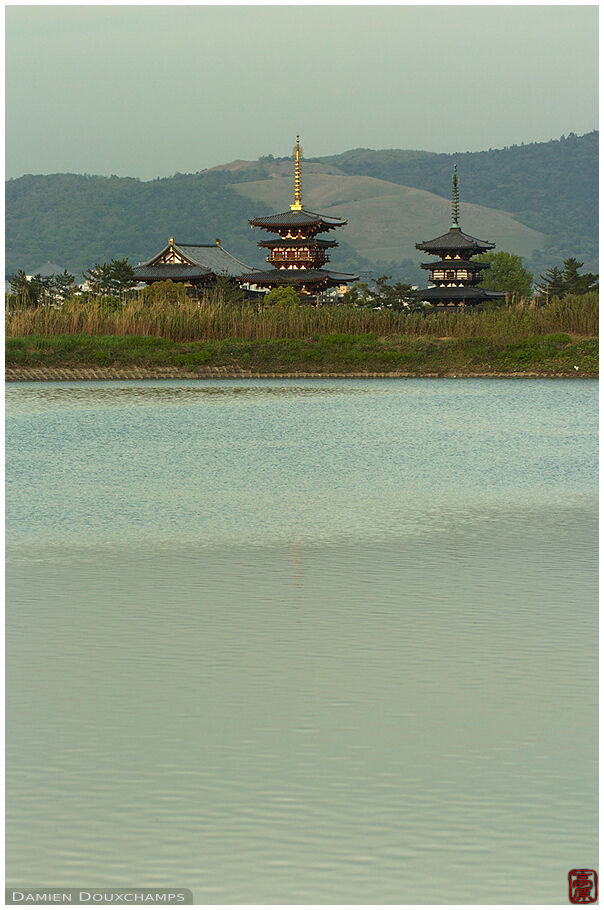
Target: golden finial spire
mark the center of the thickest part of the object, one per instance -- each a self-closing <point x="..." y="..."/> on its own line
<point x="297" y="206"/>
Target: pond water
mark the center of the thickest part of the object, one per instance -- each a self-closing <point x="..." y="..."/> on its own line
<point x="303" y="641"/>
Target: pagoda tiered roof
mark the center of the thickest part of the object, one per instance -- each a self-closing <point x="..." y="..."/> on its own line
<point x="301" y="241"/>
<point x="457" y="294"/>
<point x="298" y="219"/>
<point x="298" y="277"/>
<point x="455" y="239"/>
<point x="455" y="264"/>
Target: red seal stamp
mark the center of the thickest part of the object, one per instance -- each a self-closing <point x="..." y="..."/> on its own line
<point x="582" y="886"/>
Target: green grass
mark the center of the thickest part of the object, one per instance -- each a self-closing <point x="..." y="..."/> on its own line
<point x="556" y="353"/>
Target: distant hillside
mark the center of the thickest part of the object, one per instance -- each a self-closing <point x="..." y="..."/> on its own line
<point x="549" y="186"/>
<point x="77" y="220"/>
<point x="385" y="220"/>
<point x="539" y="200"/>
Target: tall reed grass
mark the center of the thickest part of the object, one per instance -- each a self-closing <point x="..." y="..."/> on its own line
<point x="184" y="320"/>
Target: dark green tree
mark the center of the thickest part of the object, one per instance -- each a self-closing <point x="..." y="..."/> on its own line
<point x="224" y="290"/>
<point x="575" y="283"/>
<point x="30" y="292"/>
<point x="358" y="295"/>
<point x="395" y="296"/>
<point x="120" y="277"/>
<point x="99" y="278"/>
<point x="286" y="296"/>
<point x="165" y="291"/>
<point x="550" y="284"/>
<point x="556" y="282"/>
<point x="63" y="284"/>
<point x="19" y="284"/>
<point x="40" y="290"/>
<point x="506" y="273"/>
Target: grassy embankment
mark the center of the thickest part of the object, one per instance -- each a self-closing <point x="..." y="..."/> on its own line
<point x="551" y="340"/>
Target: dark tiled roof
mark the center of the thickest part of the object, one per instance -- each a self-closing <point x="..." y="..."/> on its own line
<point x="455" y="264"/>
<point x="469" y="293"/>
<point x="310" y="242"/>
<point x="454" y="239"/>
<point x="342" y="277"/>
<point x="297" y="219"/>
<point x="208" y="256"/>
<point x="172" y="272"/>
<point x="296" y="276"/>
<point x="214" y="257"/>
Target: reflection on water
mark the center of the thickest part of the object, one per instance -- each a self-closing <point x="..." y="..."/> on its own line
<point x="337" y="646"/>
<point x="68" y="395"/>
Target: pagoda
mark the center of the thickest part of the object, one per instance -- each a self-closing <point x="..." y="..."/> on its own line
<point x="297" y="255"/>
<point x="455" y="276"/>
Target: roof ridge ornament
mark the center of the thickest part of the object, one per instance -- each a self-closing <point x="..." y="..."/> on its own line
<point x="297" y="206"/>
<point x="455" y="200"/>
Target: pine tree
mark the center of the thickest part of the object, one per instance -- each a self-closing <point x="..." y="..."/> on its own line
<point x="550" y="284"/>
<point x="63" y="284"/>
<point x="575" y="283"/>
<point x="120" y="276"/>
<point x="558" y="282"/>
<point x="98" y="277"/>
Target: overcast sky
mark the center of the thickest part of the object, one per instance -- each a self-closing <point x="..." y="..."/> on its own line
<point x="147" y="91"/>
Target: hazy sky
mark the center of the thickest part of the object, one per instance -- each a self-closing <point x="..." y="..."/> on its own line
<point x="150" y="90"/>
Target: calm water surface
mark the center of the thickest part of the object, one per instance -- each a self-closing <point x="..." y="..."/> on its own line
<point x="303" y="641"/>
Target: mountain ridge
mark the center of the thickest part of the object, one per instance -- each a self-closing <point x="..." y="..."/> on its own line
<point x="540" y="199"/>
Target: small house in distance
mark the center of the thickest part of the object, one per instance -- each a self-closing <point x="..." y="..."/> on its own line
<point x="455" y="275"/>
<point x="196" y="265"/>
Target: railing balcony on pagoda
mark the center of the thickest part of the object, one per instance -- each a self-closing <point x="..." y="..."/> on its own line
<point x="301" y="257"/>
<point x="451" y="275"/>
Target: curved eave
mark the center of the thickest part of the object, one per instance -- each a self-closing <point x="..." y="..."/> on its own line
<point x="176" y="272"/>
<point x="455" y="240"/>
<point x="318" y="227"/>
<point x="287" y="221"/>
<point x="456" y="264"/>
<point x="468" y="293"/>
<point x="289" y="242"/>
<point x="439" y="249"/>
<point x="307" y="277"/>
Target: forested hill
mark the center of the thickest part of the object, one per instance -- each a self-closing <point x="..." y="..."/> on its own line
<point x="77" y="220"/>
<point x="550" y="187"/>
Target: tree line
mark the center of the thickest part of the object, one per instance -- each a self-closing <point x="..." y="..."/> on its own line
<point x="114" y="280"/>
<point x="41" y="289"/>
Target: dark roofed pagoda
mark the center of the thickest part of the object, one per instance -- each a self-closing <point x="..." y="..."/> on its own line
<point x="455" y="276"/>
<point x="193" y="264"/>
<point x="296" y="254"/>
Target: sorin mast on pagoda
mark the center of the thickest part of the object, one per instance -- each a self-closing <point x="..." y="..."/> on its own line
<point x="455" y="276"/>
<point x="297" y="255"/>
